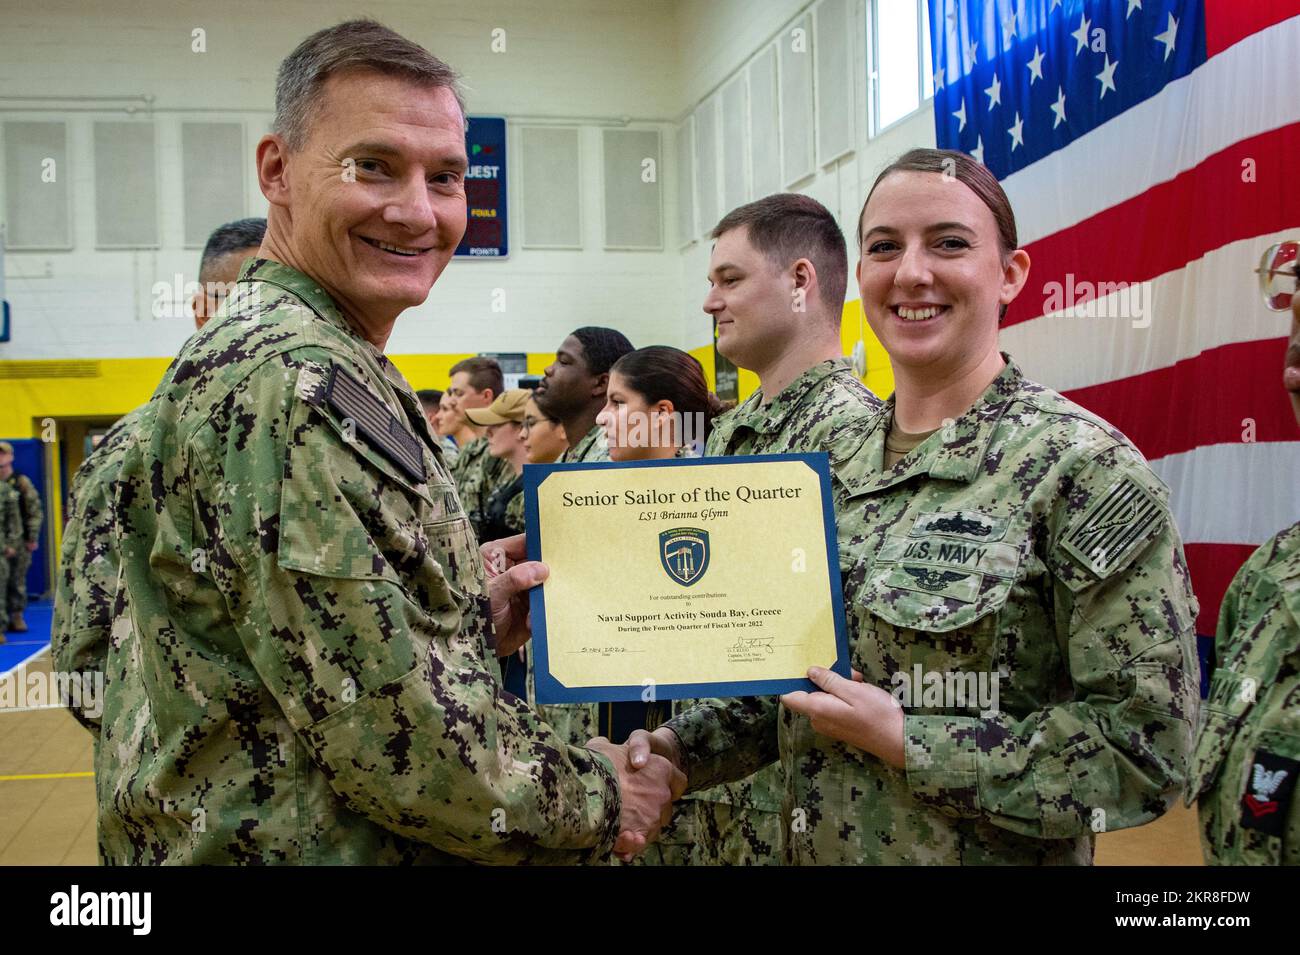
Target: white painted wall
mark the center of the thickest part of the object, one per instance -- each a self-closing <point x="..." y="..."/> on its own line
<point x="594" y="62"/>
<point x="715" y="41"/>
<point x="591" y="61"/>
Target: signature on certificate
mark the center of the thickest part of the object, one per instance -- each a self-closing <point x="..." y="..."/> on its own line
<point x="743" y="644"/>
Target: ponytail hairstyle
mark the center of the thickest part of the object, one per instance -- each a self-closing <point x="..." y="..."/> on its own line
<point x="663" y="373"/>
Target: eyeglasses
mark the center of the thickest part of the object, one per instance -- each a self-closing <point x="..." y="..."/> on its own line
<point x="1279" y="274"/>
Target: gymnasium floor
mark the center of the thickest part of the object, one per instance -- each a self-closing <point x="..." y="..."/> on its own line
<point x="47" y="791"/>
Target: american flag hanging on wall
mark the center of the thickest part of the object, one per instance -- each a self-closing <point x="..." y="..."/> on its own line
<point x="1151" y="150"/>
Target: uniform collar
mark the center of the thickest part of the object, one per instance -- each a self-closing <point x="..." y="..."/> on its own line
<point x="772" y="417"/>
<point x="955" y="453"/>
<point x="588" y="439"/>
<point x="304" y="287"/>
<point x="309" y="291"/>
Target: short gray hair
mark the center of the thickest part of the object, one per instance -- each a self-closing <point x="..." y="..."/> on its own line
<point x="353" y="45"/>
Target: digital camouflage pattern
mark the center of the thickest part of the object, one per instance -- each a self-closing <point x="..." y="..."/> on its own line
<point x="738" y="823"/>
<point x="576" y="722"/>
<point x="11" y="535"/>
<point x="1248" y="752"/>
<point x="29" y="504"/>
<point x="476" y="475"/>
<point x="301" y="672"/>
<point x="86" y="585"/>
<point x="592" y="447"/>
<point x="1028" y="539"/>
<point x="515" y="511"/>
<point x="31" y="515"/>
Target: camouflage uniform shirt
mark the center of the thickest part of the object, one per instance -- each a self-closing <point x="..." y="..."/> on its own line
<point x="818" y="411"/>
<point x="300" y="672"/>
<point x="1030" y="540"/>
<point x="11" y="535"/>
<point x="29" y="505"/>
<point x="476" y="475"/>
<point x="86" y="586"/>
<point x="1248" y="752"/>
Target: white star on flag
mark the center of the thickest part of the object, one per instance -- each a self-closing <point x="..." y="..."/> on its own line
<point x="978" y="151"/>
<point x="1055" y="4"/>
<point x="994" y="92"/>
<point x="1035" y="66"/>
<point x="972" y="52"/>
<point x="1009" y="25"/>
<point x="961" y="116"/>
<point x="1059" y="107"/>
<point x="1107" y="77"/>
<point x="938" y="78"/>
<point x="1081" y="35"/>
<point x="1132" y="5"/>
<point x="1017" y="133"/>
<point x="1169" y="37"/>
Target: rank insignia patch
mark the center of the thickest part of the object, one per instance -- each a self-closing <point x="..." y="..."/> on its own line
<point x="1268" y="793"/>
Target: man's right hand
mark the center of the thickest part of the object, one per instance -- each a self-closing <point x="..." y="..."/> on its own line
<point x="647" y="791"/>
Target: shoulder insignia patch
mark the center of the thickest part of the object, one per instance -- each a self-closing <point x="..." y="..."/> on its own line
<point x="376" y="422"/>
<point x="1116" y="524"/>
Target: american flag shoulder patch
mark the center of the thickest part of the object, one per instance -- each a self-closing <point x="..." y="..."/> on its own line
<point x="375" y="422"/>
<point x="1119" y="522"/>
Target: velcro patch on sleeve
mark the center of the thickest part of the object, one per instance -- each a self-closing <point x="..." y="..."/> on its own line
<point x="1267" y="801"/>
<point x="1117" y="524"/>
<point x="375" y="422"/>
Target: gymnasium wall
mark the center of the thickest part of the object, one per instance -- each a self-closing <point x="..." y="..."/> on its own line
<point x="718" y="43"/>
<point x="97" y="307"/>
<point x="585" y="66"/>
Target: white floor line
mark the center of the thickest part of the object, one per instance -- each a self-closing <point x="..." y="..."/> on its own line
<point x="30" y="709"/>
<point x="26" y="660"/>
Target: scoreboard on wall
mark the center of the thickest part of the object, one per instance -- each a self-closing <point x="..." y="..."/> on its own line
<point x="485" y="189"/>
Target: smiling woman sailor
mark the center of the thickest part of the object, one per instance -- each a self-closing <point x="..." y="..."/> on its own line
<point x="992" y="529"/>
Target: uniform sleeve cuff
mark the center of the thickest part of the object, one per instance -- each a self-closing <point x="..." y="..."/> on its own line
<point x="607" y="807"/>
<point x="941" y="761"/>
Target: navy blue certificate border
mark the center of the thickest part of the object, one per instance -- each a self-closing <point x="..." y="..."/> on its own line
<point x="552" y="691"/>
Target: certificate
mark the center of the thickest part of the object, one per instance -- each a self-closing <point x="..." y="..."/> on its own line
<point x="684" y="577"/>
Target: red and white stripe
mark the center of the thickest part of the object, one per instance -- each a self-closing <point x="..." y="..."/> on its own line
<point x="1178" y="197"/>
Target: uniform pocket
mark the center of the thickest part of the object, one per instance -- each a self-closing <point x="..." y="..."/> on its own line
<point x="453" y="545"/>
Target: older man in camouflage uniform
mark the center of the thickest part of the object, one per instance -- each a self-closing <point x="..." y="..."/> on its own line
<point x="31" y="514"/>
<point x="298" y="667"/>
<point x="778" y="274"/>
<point x="1247" y="763"/>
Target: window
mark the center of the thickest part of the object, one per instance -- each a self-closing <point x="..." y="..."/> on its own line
<point x="900" y="58"/>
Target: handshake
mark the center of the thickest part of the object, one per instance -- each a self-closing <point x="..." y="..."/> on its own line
<point x="649" y="765"/>
<point x="650" y="779"/>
